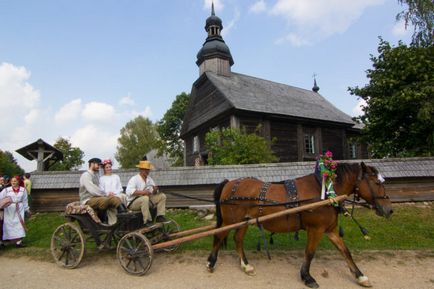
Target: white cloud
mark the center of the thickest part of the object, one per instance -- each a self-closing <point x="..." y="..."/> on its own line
<point x="69" y="112"/>
<point x="399" y="29"/>
<point x="147" y="112"/>
<point x="294" y="39"/>
<point x="15" y="91"/>
<point x="127" y="101"/>
<point x="218" y="5"/>
<point x="258" y="7"/>
<point x="99" y="112"/>
<point x="32" y="116"/>
<point x="95" y="142"/>
<point x="318" y="19"/>
<point x="92" y="126"/>
<point x="231" y="24"/>
<point x="357" y="110"/>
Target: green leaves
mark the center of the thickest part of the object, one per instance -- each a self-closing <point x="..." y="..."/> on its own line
<point x="138" y="137"/>
<point x="8" y="165"/>
<point x="72" y="156"/>
<point x="169" y="129"/>
<point x="420" y="14"/>
<point x="231" y="146"/>
<point x="399" y="112"/>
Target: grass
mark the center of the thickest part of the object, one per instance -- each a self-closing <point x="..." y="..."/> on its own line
<point x="410" y="228"/>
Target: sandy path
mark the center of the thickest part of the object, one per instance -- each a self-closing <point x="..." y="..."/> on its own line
<point x="403" y="269"/>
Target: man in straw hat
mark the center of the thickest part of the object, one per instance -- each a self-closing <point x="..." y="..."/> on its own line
<point x="142" y="193"/>
<point x="92" y="195"/>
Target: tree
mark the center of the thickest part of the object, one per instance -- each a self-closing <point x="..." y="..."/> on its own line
<point x="169" y="129"/>
<point x="399" y="111"/>
<point x="9" y="165"/>
<point x="420" y="14"/>
<point x="138" y="137"/>
<point x="72" y="156"/>
<point x="233" y="146"/>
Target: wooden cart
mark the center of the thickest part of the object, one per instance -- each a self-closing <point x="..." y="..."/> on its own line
<point x="132" y="240"/>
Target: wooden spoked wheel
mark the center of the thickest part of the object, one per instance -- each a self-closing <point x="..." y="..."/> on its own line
<point x="170" y="227"/>
<point x="67" y="245"/>
<point x="135" y="253"/>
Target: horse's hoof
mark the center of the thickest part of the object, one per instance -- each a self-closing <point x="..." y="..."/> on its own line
<point x="249" y="270"/>
<point x="210" y="268"/>
<point x="364" y="281"/>
<point x="312" y="285"/>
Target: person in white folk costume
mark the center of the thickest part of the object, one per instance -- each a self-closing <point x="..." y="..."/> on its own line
<point x="111" y="183"/>
<point x="14" y="229"/>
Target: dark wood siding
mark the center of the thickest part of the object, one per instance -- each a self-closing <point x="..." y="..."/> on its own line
<point x="333" y="140"/>
<point x="250" y="124"/>
<point x="285" y="146"/>
<point x="201" y="133"/>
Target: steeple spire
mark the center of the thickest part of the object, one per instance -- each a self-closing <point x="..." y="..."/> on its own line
<point x="214" y="55"/>
<point x="315" y="87"/>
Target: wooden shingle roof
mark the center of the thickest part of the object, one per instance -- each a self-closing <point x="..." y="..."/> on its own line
<point x="247" y="93"/>
<point x="181" y="176"/>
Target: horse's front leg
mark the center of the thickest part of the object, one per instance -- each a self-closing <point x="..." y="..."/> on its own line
<point x="313" y="237"/>
<point x="340" y="245"/>
<point x="212" y="258"/>
<point x="239" y="243"/>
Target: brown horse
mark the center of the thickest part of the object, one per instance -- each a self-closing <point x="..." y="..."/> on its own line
<point x="241" y="199"/>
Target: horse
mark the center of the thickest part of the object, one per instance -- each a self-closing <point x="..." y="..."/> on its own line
<point x="246" y="198"/>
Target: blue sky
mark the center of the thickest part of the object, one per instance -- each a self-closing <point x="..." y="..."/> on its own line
<point x="82" y="69"/>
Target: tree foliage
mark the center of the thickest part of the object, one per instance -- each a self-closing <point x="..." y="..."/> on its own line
<point x="138" y="137"/>
<point x="399" y="111"/>
<point x="9" y="165"/>
<point x="169" y="129"/>
<point x="232" y="146"/>
<point x="420" y="14"/>
<point x="72" y="156"/>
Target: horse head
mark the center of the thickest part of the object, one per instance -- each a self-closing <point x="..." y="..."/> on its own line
<point x="370" y="187"/>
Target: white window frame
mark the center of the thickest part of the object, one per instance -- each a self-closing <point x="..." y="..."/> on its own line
<point x="196" y="144"/>
<point x="353" y="150"/>
<point x="309" y="143"/>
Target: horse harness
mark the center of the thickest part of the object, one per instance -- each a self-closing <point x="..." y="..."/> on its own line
<point x="290" y="188"/>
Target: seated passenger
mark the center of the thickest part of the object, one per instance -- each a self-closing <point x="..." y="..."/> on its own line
<point x="111" y="183"/>
<point x="142" y="192"/>
<point x="92" y="195"/>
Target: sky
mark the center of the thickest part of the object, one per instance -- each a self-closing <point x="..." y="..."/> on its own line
<point x="82" y="69"/>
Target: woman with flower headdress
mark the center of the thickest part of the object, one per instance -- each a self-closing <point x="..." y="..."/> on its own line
<point x="111" y="183"/>
<point x="14" y="228"/>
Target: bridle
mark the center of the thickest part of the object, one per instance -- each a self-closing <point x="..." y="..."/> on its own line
<point x="364" y="175"/>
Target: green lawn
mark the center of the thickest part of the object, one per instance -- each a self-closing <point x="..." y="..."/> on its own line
<point x="410" y="228"/>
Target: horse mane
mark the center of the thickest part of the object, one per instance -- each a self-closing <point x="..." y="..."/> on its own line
<point x="345" y="170"/>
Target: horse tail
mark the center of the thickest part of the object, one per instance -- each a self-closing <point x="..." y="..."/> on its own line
<point x="217" y="194"/>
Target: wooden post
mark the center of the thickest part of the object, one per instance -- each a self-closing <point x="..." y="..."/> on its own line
<point x="246" y="223"/>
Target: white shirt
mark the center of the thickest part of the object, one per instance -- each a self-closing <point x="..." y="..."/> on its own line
<point x="111" y="184"/>
<point x="138" y="183"/>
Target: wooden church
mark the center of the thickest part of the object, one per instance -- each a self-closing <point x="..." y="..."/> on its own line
<point x="302" y="121"/>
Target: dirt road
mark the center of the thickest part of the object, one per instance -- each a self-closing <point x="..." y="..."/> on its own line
<point x="391" y="269"/>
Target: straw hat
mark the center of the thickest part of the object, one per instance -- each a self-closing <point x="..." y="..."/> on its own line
<point x="145" y="165"/>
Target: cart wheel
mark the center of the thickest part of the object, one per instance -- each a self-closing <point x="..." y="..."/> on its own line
<point x="135" y="253"/>
<point x="67" y="245"/>
<point x="170" y="228"/>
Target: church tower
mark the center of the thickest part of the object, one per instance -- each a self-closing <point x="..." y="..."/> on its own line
<point x="214" y="55"/>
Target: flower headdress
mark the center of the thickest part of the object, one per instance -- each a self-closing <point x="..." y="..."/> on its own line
<point x="329" y="166"/>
